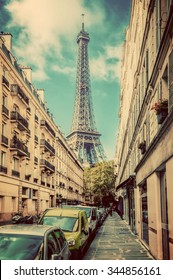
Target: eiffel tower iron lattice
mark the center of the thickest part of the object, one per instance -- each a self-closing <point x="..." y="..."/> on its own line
<point x="84" y="137"/>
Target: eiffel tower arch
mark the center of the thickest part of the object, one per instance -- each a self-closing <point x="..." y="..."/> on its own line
<point x="84" y="138"/>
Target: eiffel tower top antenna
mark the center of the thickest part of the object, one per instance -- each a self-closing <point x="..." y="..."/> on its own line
<point x="83" y="22"/>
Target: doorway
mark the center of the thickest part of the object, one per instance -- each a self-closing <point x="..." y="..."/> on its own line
<point x="164" y="216"/>
<point x="144" y="213"/>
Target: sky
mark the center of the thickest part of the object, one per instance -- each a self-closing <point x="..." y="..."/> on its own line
<point x="44" y="38"/>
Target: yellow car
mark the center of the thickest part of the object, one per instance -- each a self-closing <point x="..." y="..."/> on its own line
<point x="74" y="224"/>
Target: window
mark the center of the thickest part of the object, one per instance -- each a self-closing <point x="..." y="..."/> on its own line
<point x="171" y="79"/>
<point x="53" y="246"/>
<point x="3" y="158"/>
<point x="3" y="129"/>
<point x="1" y="203"/>
<point x="146" y="66"/>
<point x="158" y="22"/>
<point x="169" y="3"/>
<point x="4" y="100"/>
<point x="60" y="238"/>
<point x="15" y="164"/>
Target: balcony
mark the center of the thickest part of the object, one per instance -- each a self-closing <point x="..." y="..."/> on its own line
<point x="3" y="169"/>
<point x="16" y="173"/>
<point x="4" y="140"/>
<point x="5" y="82"/>
<point x="36" y="160"/>
<point x="35" y="180"/>
<point x="16" y="90"/>
<point x="5" y="111"/>
<point x="47" y="147"/>
<point x="27" y="177"/>
<point x="36" y="139"/>
<point x="43" y="123"/>
<point x="36" y="118"/>
<point x="47" y="165"/>
<point x="19" y="147"/>
<point x="22" y="123"/>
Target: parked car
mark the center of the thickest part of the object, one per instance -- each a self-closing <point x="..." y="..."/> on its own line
<point x="33" y="242"/>
<point x="91" y="215"/>
<point x="74" y="224"/>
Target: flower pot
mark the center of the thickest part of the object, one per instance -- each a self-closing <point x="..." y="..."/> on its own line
<point x="161" y="116"/>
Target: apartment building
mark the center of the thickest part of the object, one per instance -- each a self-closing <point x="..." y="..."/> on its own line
<point x="144" y="151"/>
<point x="38" y="169"/>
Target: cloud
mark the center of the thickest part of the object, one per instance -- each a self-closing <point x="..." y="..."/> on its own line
<point x="107" y="65"/>
<point x="42" y="25"/>
<point x="64" y="69"/>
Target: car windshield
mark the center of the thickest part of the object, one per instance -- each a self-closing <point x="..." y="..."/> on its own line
<point x="65" y="223"/>
<point x="19" y="247"/>
<point x="87" y="209"/>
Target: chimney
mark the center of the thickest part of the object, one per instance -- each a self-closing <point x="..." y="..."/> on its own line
<point x="28" y="72"/>
<point x="41" y="94"/>
<point x="7" y="40"/>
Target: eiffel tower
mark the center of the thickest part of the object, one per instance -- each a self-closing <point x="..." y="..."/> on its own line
<point x="84" y="138"/>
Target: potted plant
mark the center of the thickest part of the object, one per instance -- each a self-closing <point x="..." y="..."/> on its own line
<point x="142" y="147"/>
<point x="161" y="109"/>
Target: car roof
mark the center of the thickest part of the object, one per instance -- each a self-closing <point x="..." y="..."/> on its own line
<point x="37" y="230"/>
<point x="79" y="206"/>
<point x="64" y="212"/>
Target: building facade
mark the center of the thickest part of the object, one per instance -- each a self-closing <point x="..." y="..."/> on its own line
<point x="144" y="152"/>
<point x="38" y="169"/>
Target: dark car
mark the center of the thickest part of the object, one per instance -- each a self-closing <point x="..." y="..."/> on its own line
<point x="33" y="242"/>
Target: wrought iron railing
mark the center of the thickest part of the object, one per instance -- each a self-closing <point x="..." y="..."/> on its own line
<point x="46" y="144"/>
<point x="17" y="117"/>
<point x="5" y="110"/>
<point x="16" y="89"/>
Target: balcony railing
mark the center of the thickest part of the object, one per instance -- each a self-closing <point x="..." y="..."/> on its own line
<point x="47" y="165"/>
<point x="22" y="123"/>
<point x="16" y="90"/>
<point x="36" y="118"/>
<point x="5" y="110"/>
<point x="43" y="123"/>
<point x="36" y="180"/>
<point x="47" y="146"/>
<point x="4" y="140"/>
<point x="16" y="173"/>
<point x="5" y="81"/>
<point x="36" y="138"/>
<point x="27" y="177"/>
<point x="21" y="148"/>
<point x="3" y="169"/>
<point x="36" y="160"/>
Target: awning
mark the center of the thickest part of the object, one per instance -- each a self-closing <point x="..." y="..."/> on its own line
<point x="127" y="183"/>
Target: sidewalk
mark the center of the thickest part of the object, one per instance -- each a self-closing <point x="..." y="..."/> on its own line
<point x="114" y="241"/>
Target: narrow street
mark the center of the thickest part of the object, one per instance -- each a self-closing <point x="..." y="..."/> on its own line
<point x="114" y="241"/>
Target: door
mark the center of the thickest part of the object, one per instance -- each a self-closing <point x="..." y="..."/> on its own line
<point x="144" y="214"/>
<point x="164" y="216"/>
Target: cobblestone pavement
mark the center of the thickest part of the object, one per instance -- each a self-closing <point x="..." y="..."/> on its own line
<point x="114" y="241"/>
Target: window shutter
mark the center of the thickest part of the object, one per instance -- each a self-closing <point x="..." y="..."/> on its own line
<point x="171" y="80"/>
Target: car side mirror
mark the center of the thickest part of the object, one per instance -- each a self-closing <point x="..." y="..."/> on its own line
<point x="85" y="231"/>
<point x="93" y="218"/>
<point x="56" y="257"/>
